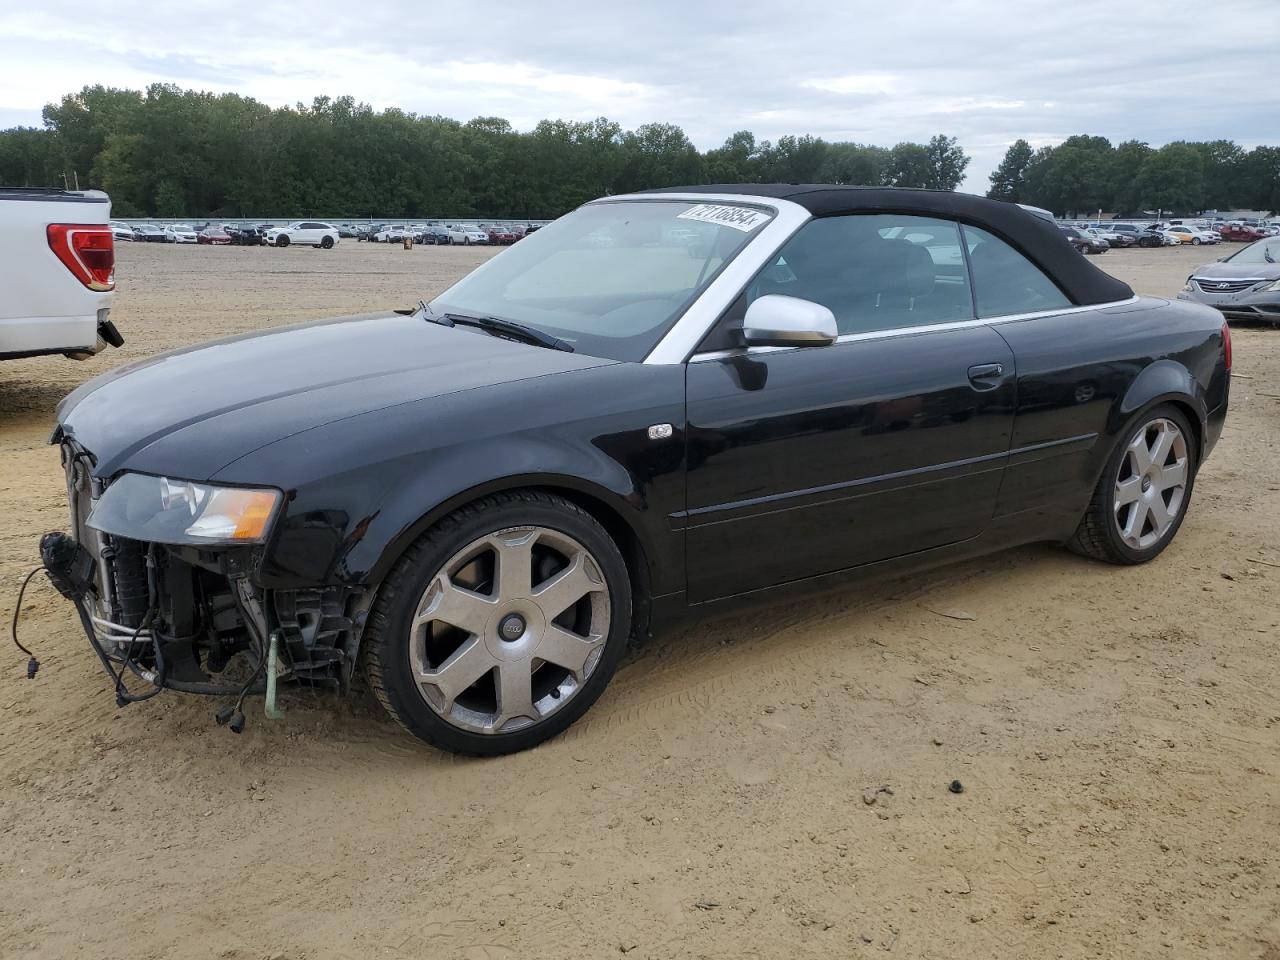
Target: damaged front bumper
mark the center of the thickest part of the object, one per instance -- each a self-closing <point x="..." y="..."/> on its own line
<point x="181" y="617"/>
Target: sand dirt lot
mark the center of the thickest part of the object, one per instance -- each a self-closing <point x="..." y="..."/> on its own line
<point x="1117" y="732"/>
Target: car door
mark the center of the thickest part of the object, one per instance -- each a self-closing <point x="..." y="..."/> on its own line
<point x="805" y="461"/>
<point x="1068" y="376"/>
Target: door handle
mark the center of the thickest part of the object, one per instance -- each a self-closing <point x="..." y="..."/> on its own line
<point x="986" y="376"/>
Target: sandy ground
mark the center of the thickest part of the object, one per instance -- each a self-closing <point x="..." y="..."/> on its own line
<point x="1117" y="732"/>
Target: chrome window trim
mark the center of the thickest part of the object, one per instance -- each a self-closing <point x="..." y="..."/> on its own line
<point x="678" y="343"/>
<point x="909" y="331"/>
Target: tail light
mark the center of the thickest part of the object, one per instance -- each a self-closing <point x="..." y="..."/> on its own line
<point x="1226" y="345"/>
<point x="87" y="250"/>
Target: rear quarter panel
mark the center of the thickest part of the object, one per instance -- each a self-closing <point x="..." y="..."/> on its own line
<point x="1082" y="379"/>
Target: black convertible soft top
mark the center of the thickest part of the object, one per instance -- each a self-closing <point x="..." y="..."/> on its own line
<point x="1038" y="239"/>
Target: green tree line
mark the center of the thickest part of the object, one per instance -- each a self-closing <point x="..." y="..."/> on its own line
<point x="170" y="152"/>
<point x="1084" y="174"/>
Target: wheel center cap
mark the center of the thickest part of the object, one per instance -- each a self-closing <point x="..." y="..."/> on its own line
<point x="511" y="627"/>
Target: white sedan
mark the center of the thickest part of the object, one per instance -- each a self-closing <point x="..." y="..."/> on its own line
<point x="1190" y="235"/>
<point x="180" y="233"/>
<point x="313" y="232"/>
<point x="466" y="235"/>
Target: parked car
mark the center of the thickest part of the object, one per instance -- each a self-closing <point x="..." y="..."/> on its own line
<point x="499" y="234"/>
<point x="179" y="233"/>
<point x="1244" y="285"/>
<point x="57" y="273"/>
<point x="1239" y="231"/>
<point x="313" y="232"/>
<point x="1084" y="242"/>
<point x="1184" y="234"/>
<point x="149" y="233"/>
<point x="215" y="236"/>
<point x="466" y="235"/>
<point x="1114" y="235"/>
<point x="244" y="235"/>
<point x="434" y="234"/>
<point x="483" y="499"/>
<point x="1148" y="237"/>
<point x="121" y="231"/>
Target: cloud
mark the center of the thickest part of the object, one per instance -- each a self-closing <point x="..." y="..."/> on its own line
<point x="855" y="83"/>
<point x="987" y="71"/>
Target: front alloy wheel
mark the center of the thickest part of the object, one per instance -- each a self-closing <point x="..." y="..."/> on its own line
<point x="509" y="629"/>
<point x="501" y="626"/>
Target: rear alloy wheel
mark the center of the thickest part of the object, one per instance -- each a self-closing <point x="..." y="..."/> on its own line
<point x="326" y="243"/>
<point x="501" y="626"/>
<point x="1142" y="497"/>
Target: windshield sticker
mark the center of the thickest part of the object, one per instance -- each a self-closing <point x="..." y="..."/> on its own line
<point x="724" y="215"/>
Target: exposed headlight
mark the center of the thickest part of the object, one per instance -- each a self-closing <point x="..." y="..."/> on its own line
<point x="160" y="510"/>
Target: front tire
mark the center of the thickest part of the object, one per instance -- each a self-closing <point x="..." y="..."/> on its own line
<point x="501" y="625"/>
<point x="1142" y="497"/>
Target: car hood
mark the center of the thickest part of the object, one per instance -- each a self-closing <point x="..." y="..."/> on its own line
<point x="191" y="412"/>
<point x="1239" y="271"/>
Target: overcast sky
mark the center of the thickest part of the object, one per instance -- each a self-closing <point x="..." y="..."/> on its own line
<point x="987" y="71"/>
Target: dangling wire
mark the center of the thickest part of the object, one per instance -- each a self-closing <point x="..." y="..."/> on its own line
<point x="32" y="663"/>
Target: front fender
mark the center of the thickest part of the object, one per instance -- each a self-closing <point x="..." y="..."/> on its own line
<point x="463" y="475"/>
<point x="363" y="489"/>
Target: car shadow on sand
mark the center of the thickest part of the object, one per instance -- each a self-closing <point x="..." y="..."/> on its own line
<point x="24" y="401"/>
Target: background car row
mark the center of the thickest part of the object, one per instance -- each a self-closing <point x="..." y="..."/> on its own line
<point x="321" y="233"/>
<point x="443" y="233"/>
<point x="1091" y="238"/>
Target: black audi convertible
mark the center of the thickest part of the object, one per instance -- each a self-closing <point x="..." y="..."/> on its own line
<point x="661" y="405"/>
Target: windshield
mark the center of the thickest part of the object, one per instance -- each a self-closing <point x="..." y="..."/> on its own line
<point x="612" y="277"/>
<point x="1260" y="251"/>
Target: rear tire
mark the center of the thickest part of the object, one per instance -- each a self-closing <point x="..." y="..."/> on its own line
<point x="438" y="654"/>
<point x="1144" y="491"/>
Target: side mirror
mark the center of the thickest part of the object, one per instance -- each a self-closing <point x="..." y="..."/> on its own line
<point x="777" y="321"/>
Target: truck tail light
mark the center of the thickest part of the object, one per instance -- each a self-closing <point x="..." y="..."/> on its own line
<point x="87" y="250"/>
<point x="1226" y="344"/>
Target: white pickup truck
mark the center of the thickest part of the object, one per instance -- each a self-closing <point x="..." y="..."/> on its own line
<point x="57" y="271"/>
